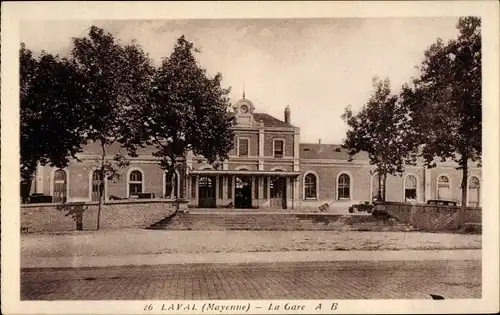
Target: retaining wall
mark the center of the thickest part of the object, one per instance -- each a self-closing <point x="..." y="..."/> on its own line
<point x="114" y="215"/>
<point x="430" y="218"/>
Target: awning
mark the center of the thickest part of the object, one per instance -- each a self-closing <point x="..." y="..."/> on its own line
<point x="246" y="172"/>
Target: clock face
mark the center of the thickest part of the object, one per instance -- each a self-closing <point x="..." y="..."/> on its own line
<point x="244" y="109"/>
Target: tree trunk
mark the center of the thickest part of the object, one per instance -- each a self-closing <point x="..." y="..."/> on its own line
<point x="101" y="182"/>
<point x="463" y="186"/>
<point x="169" y="186"/>
<point x="379" y="187"/>
<point x="385" y="184"/>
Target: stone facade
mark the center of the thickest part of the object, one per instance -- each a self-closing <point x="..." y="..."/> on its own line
<point x="268" y="168"/>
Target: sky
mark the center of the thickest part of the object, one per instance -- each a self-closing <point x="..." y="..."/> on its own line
<point x="315" y="66"/>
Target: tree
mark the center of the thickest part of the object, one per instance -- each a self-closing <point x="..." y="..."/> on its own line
<point x="116" y="78"/>
<point x="51" y="113"/>
<point x="187" y="111"/>
<point x="445" y="101"/>
<point x="380" y="129"/>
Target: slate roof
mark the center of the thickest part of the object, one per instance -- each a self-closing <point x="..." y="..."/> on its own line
<point x="270" y="121"/>
<point x="312" y="151"/>
<point x="95" y="148"/>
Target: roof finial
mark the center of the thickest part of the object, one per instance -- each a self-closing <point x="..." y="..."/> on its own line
<point x="243" y="89"/>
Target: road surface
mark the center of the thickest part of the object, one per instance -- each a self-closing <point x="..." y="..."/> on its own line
<point x="298" y="280"/>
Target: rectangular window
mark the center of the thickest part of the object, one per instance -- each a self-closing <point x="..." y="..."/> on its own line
<point x="265" y="187"/>
<point x="221" y="187"/>
<point x="229" y="187"/>
<point x="257" y="180"/>
<point x="278" y="148"/>
<point x="343" y="192"/>
<point x="135" y="188"/>
<point x="411" y="194"/>
<point x="193" y="187"/>
<point x="243" y="147"/>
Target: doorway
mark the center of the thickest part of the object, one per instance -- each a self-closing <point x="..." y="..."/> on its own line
<point x="243" y="192"/>
<point x="278" y="193"/>
<point x="206" y="192"/>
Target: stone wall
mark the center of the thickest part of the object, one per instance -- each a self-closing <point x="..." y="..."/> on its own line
<point x="114" y="215"/>
<point x="430" y="218"/>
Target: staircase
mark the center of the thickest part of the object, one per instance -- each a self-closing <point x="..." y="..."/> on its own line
<point x="277" y="221"/>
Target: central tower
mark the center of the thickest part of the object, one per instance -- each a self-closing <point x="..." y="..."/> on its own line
<point x="243" y="111"/>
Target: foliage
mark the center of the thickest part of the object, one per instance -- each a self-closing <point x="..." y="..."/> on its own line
<point x="380" y="129"/>
<point x="186" y="111"/>
<point x="445" y="100"/>
<point x="52" y="107"/>
<point x="117" y="79"/>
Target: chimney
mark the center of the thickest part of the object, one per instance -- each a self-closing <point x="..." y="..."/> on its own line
<point x="319" y="141"/>
<point x="287" y="114"/>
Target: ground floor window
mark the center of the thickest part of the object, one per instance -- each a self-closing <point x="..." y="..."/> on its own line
<point x="96" y="181"/>
<point x="60" y="186"/>
<point x="135" y="183"/>
<point x="410" y="188"/>
<point x="344" y="186"/>
<point x="474" y="191"/>
<point x="443" y="188"/>
<point x="310" y="186"/>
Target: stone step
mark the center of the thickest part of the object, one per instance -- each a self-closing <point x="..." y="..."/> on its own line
<point x="275" y="221"/>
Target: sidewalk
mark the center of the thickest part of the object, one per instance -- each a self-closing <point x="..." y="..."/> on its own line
<point x="150" y="242"/>
<point x="248" y="257"/>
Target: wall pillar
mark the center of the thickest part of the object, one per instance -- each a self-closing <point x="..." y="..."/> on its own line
<point x="39" y="179"/>
<point x="296" y="191"/>
<point x="196" y="190"/>
<point x="289" y="190"/>
<point x="296" y="151"/>
<point x="261" y="149"/>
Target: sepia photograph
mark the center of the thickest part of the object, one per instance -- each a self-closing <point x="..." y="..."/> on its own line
<point x="249" y="164"/>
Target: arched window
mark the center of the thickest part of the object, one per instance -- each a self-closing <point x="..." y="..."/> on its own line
<point x="310" y="186"/>
<point x="474" y="192"/>
<point x="443" y="188"/>
<point x="135" y="183"/>
<point x="96" y="180"/>
<point x="344" y="187"/>
<point x="410" y="188"/>
<point x="60" y="186"/>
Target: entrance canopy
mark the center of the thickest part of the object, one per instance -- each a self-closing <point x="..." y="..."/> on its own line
<point x="246" y="172"/>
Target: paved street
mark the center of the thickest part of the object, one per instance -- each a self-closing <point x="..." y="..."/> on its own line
<point x="295" y="280"/>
